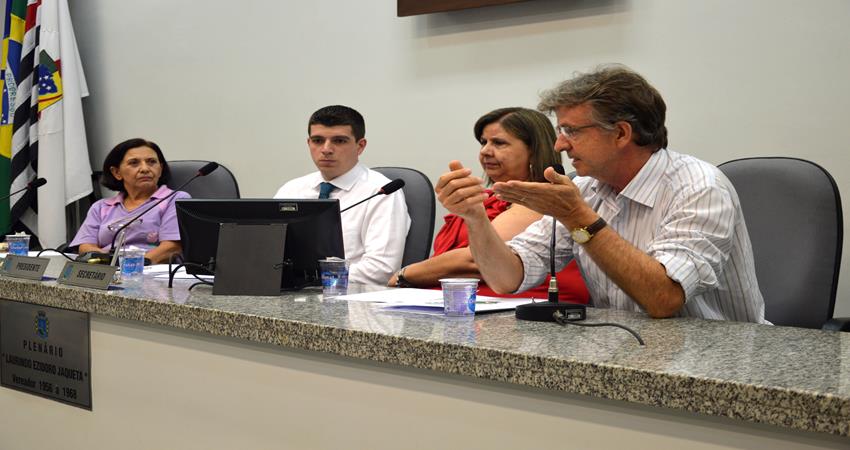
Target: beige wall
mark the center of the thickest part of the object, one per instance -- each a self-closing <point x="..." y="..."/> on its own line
<point x="236" y="83"/>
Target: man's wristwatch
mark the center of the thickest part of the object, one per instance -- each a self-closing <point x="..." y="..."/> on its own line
<point x="585" y="234"/>
<point x="400" y="281"/>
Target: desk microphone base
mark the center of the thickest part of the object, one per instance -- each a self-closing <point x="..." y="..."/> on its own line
<point x="543" y="311"/>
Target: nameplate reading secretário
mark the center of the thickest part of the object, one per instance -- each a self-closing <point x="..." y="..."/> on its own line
<point x="94" y="276"/>
<point x="27" y="267"/>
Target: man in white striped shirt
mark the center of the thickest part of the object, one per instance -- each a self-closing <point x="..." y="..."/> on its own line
<point x="651" y="229"/>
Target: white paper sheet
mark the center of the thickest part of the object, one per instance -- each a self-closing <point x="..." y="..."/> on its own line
<point x="428" y="298"/>
<point x="160" y="272"/>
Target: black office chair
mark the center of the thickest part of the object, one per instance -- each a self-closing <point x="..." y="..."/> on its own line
<point x="421" y="206"/>
<point x="220" y="183"/>
<point x="792" y="208"/>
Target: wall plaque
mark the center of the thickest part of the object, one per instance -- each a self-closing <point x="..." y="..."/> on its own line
<point x="46" y="351"/>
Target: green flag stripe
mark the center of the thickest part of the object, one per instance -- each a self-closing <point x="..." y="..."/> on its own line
<point x="19" y="8"/>
<point x="4" y="190"/>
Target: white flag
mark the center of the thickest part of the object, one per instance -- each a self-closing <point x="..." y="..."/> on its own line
<point x="62" y="156"/>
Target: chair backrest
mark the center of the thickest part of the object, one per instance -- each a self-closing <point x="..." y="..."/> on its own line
<point x="793" y="212"/>
<point x="220" y="183"/>
<point x="421" y="206"/>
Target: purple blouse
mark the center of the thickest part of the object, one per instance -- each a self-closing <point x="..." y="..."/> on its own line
<point x="158" y="224"/>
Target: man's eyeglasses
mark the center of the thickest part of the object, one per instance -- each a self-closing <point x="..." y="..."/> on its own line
<point x="571" y="132"/>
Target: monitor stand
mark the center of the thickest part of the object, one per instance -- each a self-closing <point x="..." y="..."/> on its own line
<point x="249" y="259"/>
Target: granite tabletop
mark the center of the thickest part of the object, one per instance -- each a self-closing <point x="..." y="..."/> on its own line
<point x="783" y="376"/>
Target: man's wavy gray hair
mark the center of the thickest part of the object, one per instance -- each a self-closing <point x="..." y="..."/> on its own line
<point x="615" y="93"/>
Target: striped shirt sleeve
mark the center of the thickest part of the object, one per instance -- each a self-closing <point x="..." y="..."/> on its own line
<point x="694" y="240"/>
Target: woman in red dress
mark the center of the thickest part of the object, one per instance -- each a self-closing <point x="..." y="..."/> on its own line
<point x="516" y="144"/>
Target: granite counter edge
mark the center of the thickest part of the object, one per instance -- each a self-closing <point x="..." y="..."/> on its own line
<point x="802" y="410"/>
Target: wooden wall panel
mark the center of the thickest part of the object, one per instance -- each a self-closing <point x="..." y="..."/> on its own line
<point x="414" y="7"/>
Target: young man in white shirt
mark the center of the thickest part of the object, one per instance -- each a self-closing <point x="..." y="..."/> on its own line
<point x="373" y="232"/>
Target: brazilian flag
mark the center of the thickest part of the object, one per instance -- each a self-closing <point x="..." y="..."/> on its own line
<point x="14" y="25"/>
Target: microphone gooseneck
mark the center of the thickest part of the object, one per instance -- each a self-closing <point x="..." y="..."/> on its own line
<point x="203" y="171"/>
<point x="386" y="189"/>
<point x="34" y="184"/>
<point x="553" y="281"/>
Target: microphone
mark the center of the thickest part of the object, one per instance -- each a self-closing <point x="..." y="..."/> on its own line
<point x="386" y="189"/>
<point x="553" y="282"/>
<point x="545" y="311"/>
<point x="32" y="185"/>
<point x="392" y="186"/>
<point x="202" y="172"/>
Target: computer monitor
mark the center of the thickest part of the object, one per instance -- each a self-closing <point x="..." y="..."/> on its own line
<point x="313" y="232"/>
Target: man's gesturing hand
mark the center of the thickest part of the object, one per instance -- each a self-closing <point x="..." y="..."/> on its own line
<point x="460" y="192"/>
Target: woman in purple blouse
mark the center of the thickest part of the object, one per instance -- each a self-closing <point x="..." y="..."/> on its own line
<point x="136" y="169"/>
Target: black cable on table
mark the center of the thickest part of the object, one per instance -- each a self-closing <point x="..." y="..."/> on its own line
<point x="559" y="318"/>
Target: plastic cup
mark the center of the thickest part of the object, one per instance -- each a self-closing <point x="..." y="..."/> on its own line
<point x="459" y="296"/>
<point x="132" y="264"/>
<point x="19" y="244"/>
<point x="334" y="276"/>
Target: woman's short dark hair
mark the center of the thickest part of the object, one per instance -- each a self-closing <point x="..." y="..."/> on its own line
<point x="116" y="155"/>
<point x="533" y="128"/>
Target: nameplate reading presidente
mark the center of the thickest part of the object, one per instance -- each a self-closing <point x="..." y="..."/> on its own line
<point x="95" y="276"/>
<point x="46" y="351"/>
<point x="27" y="267"/>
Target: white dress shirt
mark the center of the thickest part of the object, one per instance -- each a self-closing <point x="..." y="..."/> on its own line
<point x="679" y="210"/>
<point x="373" y="232"/>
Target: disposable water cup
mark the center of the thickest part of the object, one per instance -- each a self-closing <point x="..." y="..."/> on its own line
<point x="334" y="277"/>
<point x="132" y="265"/>
<point x="19" y="244"/>
<point x="459" y="296"/>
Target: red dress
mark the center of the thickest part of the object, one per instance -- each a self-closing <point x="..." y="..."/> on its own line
<point x="454" y="234"/>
